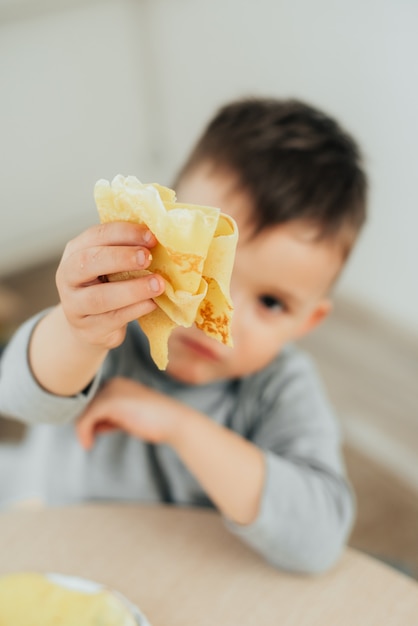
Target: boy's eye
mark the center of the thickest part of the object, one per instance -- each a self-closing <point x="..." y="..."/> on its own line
<point x="272" y="303"/>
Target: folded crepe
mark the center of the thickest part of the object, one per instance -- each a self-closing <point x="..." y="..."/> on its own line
<point x="194" y="254"/>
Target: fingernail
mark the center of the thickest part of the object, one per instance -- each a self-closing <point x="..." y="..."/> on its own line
<point x="154" y="283"/>
<point x="140" y="257"/>
<point x="148" y="236"/>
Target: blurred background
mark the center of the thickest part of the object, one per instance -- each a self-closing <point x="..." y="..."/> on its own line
<point x="93" y="88"/>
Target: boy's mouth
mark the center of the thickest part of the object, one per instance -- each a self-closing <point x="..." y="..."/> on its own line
<point x="200" y="349"/>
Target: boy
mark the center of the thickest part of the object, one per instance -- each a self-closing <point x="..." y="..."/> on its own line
<point x="245" y="429"/>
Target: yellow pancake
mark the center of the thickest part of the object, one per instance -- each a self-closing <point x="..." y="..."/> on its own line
<point x="194" y="254"/>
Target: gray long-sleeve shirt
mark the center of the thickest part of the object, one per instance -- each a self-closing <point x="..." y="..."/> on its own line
<point x="306" y="508"/>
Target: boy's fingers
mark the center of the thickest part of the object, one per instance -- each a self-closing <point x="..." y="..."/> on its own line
<point x="102" y="298"/>
<point x="85" y="266"/>
<point x="112" y="234"/>
<point x="109" y="328"/>
<point x="84" y="434"/>
<point x="104" y="426"/>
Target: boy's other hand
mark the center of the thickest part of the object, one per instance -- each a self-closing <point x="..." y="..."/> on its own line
<point x="96" y="310"/>
<point x="130" y="406"/>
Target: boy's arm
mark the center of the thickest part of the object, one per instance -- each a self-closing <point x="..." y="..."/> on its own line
<point x="229" y="468"/>
<point x="284" y="493"/>
<point x="307" y="505"/>
<point x="294" y="508"/>
<point x="71" y="342"/>
<point x="22" y="398"/>
<point x="60" y="362"/>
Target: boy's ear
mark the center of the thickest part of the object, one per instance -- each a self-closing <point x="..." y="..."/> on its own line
<point x="320" y="312"/>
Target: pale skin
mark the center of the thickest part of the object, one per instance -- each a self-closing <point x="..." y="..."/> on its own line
<point x="279" y="288"/>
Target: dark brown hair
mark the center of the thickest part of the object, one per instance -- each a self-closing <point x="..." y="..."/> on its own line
<point x="296" y="162"/>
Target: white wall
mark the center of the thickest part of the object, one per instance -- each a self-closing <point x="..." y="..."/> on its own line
<point x="71" y="112"/>
<point x="105" y="87"/>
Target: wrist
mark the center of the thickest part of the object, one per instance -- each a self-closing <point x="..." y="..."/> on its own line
<point x="180" y="420"/>
<point x="75" y="337"/>
<point x="60" y="362"/>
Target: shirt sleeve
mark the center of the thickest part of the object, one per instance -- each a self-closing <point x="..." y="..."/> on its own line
<point x="22" y="398"/>
<point x="307" y="505"/>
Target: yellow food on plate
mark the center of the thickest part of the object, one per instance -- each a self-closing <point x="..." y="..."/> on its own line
<point x="194" y="254"/>
<point x="32" y="599"/>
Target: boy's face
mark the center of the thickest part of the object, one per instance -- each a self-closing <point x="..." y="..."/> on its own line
<point x="279" y="288"/>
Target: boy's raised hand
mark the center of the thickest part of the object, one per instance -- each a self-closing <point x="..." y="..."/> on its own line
<point x="98" y="311"/>
<point x="70" y="343"/>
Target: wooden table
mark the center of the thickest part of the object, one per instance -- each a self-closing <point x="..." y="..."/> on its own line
<point x="183" y="568"/>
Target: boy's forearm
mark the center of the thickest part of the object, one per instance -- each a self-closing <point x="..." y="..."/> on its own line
<point x="229" y="468"/>
<point x="60" y="362"/>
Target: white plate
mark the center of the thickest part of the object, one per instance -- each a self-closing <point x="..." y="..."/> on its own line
<point x="88" y="586"/>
